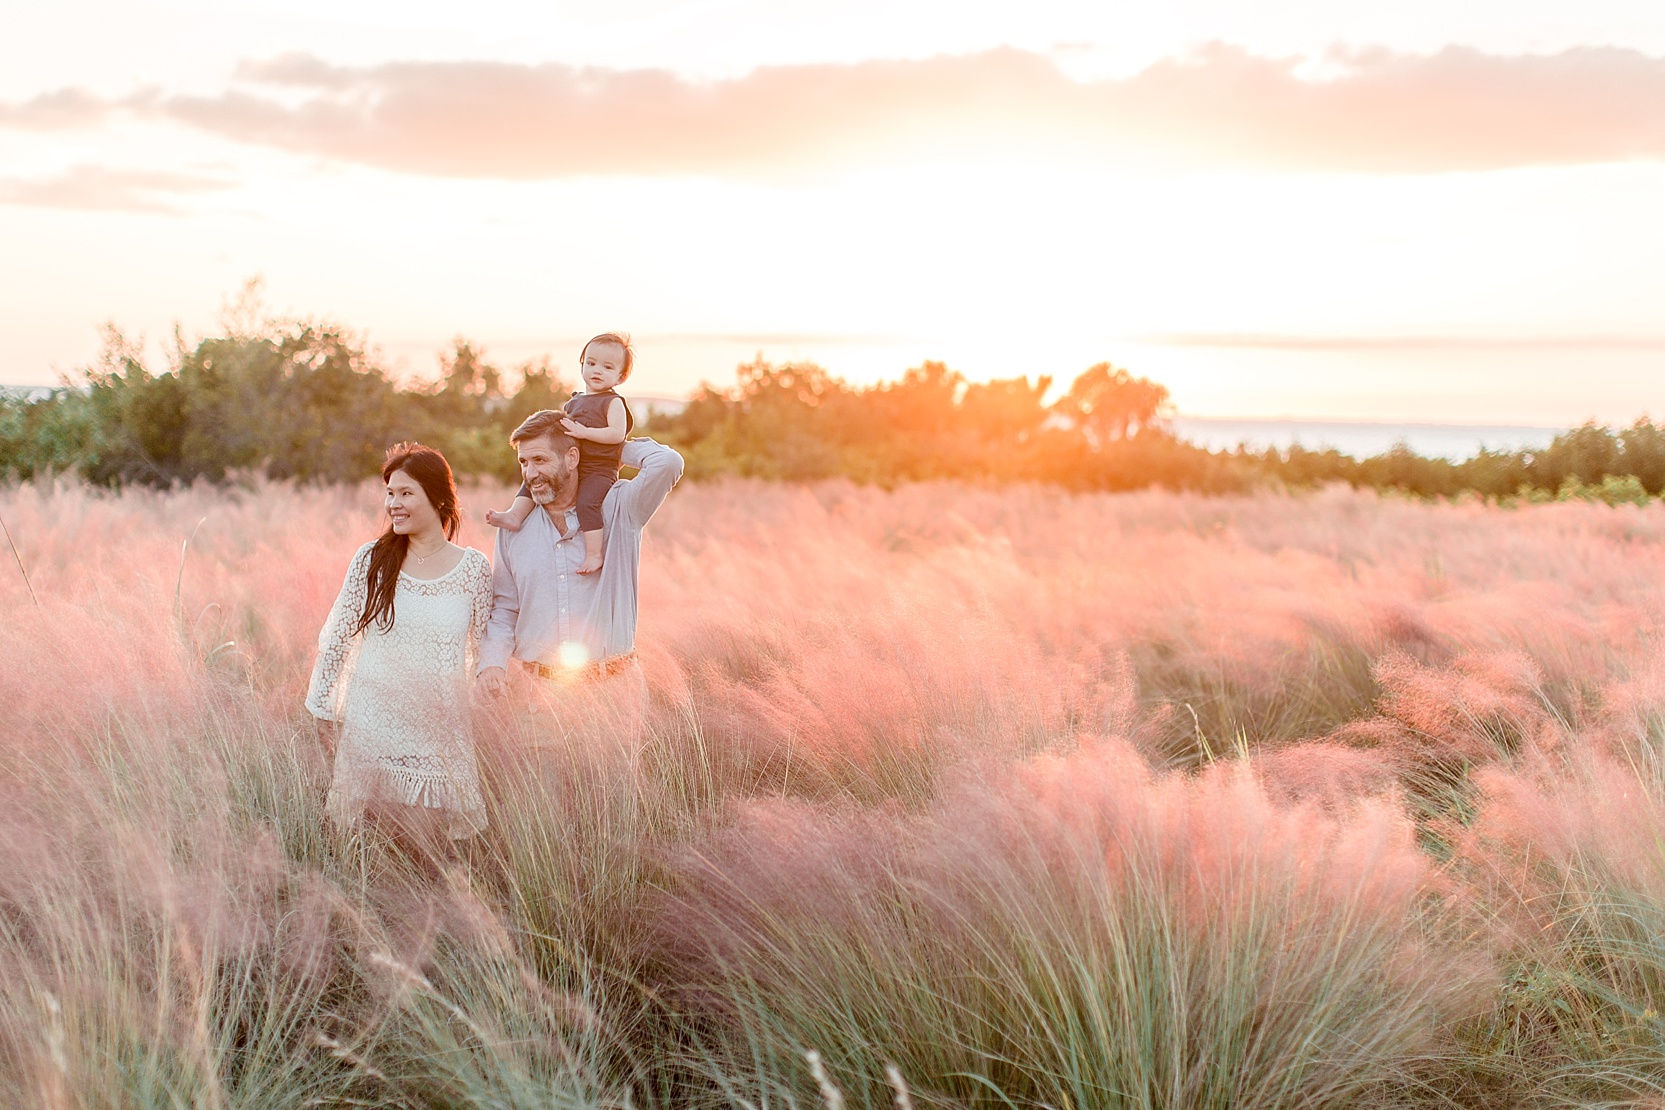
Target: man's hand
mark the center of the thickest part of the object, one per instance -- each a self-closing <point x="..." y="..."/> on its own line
<point x="329" y="734"/>
<point x="493" y="681"/>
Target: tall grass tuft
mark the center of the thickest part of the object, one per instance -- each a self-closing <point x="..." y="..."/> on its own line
<point x="1074" y="932"/>
<point x="1569" y="849"/>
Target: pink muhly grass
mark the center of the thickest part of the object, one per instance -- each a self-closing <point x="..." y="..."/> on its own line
<point x="1436" y="723"/>
<point x="871" y="780"/>
<point x="1476" y="710"/>
<point x="1327" y="774"/>
<point x="1565" y="852"/>
<point x="1573" y="876"/>
<point x="1075" y="930"/>
<point x="166" y="979"/>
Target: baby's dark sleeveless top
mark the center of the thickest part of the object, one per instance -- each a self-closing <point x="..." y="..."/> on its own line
<point x="590" y="410"/>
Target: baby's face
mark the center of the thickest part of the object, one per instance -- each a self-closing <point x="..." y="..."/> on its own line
<point x="603" y="366"/>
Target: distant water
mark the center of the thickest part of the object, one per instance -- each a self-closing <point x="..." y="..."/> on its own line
<point x="25" y="392"/>
<point x="1357" y="438"/>
<point x="1450" y="441"/>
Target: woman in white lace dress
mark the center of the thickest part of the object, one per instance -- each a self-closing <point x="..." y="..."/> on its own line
<point x="390" y="688"/>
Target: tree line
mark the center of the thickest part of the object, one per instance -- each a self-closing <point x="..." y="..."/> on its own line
<point x="308" y="402"/>
<point x="303" y="401"/>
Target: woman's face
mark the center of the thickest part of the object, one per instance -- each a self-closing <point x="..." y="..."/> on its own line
<point x="408" y="506"/>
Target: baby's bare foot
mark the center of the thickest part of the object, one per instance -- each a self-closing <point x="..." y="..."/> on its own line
<point x="502" y="520"/>
<point x="591" y="564"/>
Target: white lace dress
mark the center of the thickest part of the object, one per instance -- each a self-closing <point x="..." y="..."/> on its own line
<point x="401" y="694"/>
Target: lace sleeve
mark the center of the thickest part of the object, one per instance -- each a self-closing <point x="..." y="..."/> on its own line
<point x="479" y="602"/>
<point x="498" y="643"/>
<point x="337" y="644"/>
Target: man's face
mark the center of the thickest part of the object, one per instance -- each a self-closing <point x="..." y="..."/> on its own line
<point x="548" y="472"/>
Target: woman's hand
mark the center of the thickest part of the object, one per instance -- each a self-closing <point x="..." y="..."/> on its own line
<point x="329" y="734"/>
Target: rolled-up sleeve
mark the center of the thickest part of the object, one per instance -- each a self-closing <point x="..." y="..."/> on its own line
<point x="498" y="643"/>
<point x="658" y="469"/>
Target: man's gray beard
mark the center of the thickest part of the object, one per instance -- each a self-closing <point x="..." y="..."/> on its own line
<point x="544" y="493"/>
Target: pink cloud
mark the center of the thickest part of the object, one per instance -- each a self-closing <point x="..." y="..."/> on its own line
<point x="55" y="110"/>
<point x="104" y="188"/>
<point x="1458" y="109"/>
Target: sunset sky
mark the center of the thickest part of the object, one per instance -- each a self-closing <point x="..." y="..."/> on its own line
<point x="1426" y="210"/>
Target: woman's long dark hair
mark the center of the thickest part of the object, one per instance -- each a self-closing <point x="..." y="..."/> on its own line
<point x="430" y="470"/>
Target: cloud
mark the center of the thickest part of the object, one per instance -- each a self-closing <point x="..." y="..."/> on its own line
<point x="55" y="111"/>
<point x="1374" y="111"/>
<point x="1458" y="109"/>
<point x="107" y="189"/>
<point x="529" y="122"/>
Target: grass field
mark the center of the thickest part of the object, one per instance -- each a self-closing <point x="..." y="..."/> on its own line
<point x="950" y="797"/>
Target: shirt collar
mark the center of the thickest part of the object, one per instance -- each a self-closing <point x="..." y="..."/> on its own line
<point x="572" y="524"/>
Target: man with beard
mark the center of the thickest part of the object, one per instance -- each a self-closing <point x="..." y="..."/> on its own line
<point x="573" y="634"/>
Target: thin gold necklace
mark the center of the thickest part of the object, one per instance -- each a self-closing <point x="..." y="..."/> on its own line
<point x="420" y="559"/>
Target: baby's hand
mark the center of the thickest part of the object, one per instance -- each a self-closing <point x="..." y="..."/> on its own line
<point x="573" y="427"/>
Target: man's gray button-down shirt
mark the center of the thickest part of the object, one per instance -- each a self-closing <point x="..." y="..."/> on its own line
<point x="543" y="610"/>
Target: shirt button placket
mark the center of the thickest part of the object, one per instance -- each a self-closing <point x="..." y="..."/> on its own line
<point x="561" y="630"/>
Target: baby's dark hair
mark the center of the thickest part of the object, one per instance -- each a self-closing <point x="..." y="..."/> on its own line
<point x="623" y="340"/>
